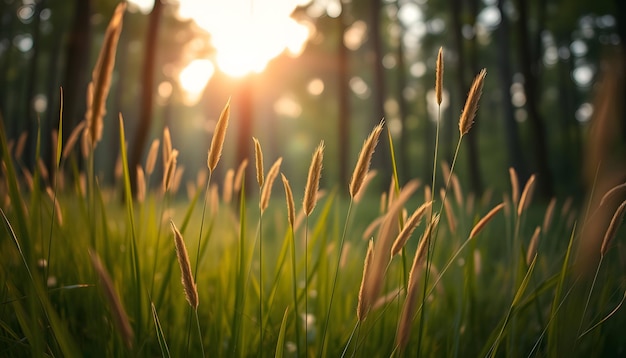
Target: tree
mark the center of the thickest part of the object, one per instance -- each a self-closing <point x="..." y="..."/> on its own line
<point x="544" y="177"/>
<point x="514" y="149"/>
<point x="147" y="90"/>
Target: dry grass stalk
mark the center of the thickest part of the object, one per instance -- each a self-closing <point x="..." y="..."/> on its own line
<point x="383" y="202"/>
<point x="178" y="176"/>
<point x="365" y="158"/>
<point x="445" y="170"/>
<point x="266" y="193"/>
<point x="409" y="226"/>
<point x="456" y="188"/>
<point x="313" y="180"/>
<point x="258" y="156"/>
<point x="526" y="195"/>
<point x="115" y="304"/>
<point x="152" y="156"/>
<point x="43" y="171"/>
<point x="101" y="78"/>
<point x="21" y="144"/>
<point x="471" y="104"/>
<point x="547" y="218"/>
<point x="28" y="178"/>
<point x="449" y="212"/>
<point x="368" y="178"/>
<point x="227" y="190"/>
<point x="241" y="170"/>
<point x="514" y="186"/>
<point x="170" y="170"/>
<point x="217" y="142"/>
<point x="363" y="304"/>
<point x="428" y="197"/>
<point x="214" y="198"/>
<point x="420" y="253"/>
<point x="532" y="247"/>
<point x="469" y="204"/>
<point x="57" y="207"/>
<point x="482" y="222"/>
<point x="567" y="206"/>
<point x="291" y="208"/>
<point x="167" y="147"/>
<point x="612" y="192"/>
<point x="408" y="309"/>
<point x="616" y="221"/>
<point x="368" y="233"/>
<point x="384" y="239"/>
<point x="72" y="139"/>
<point x="439" y="78"/>
<point x="141" y="185"/>
<point x="189" y="285"/>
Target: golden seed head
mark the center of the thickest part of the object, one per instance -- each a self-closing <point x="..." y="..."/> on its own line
<point x="291" y="208"/>
<point x="258" y="156"/>
<point x="439" y="79"/>
<point x="482" y="222"/>
<point x="266" y="193"/>
<point x="189" y="285"/>
<point x="217" y="142"/>
<point x="471" y="104"/>
<point x="365" y="158"/>
<point x="313" y="180"/>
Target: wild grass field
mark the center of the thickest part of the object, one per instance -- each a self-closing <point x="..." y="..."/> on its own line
<point x="419" y="269"/>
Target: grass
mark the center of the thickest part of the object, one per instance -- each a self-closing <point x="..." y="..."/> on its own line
<point x="83" y="275"/>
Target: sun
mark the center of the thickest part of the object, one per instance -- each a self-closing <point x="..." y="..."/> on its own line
<point x="248" y="34"/>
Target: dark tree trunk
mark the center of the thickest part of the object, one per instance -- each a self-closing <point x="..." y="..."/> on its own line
<point x="544" y="178"/>
<point x="344" y="103"/>
<point x="382" y="159"/>
<point x="474" y="168"/>
<point x="405" y="158"/>
<point x="245" y="102"/>
<point x="147" y="92"/>
<point x="514" y="148"/>
<point x="472" y="137"/>
<point x="76" y="74"/>
<point x="32" y="122"/>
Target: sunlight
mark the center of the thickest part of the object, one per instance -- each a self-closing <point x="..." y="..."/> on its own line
<point x="194" y="78"/>
<point x="248" y="34"/>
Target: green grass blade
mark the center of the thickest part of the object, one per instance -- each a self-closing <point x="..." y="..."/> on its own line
<point x="130" y="216"/>
<point x="280" y="344"/>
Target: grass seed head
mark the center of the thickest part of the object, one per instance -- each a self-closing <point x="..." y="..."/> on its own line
<point x="439" y="79"/>
<point x="98" y="89"/>
<point x="364" y="304"/>
<point x="482" y="222"/>
<point x="266" y="193"/>
<point x="410" y="225"/>
<point x="313" y="180"/>
<point x="152" y="156"/>
<point x="189" y="285"/>
<point x="113" y="299"/>
<point x="365" y="158"/>
<point x="217" y="142"/>
<point x="291" y="208"/>
<point x="258" y="156"/>
<point x="471" y="104"/>
<point x="616" y="221"/>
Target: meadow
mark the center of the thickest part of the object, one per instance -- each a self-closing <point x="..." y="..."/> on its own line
<point x="418" y="269"/>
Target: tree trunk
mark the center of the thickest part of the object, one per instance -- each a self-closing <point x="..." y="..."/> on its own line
<point x="472" y="137"/>
<point x="544" y="178"/>
<point x="76" y="75"/>
<point x="245" y="103"/>
<point x="378" y="86"/>
<point x="405" y="163"/>
<point x="147" y="92"/>
<point x="32" y="124"/>
<point x="514" y="148"/>
<point x="344" y="102"/>
<point x="473" y="164"/>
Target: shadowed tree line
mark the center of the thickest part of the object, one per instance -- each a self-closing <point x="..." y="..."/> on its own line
<point x="541" y="56"/>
